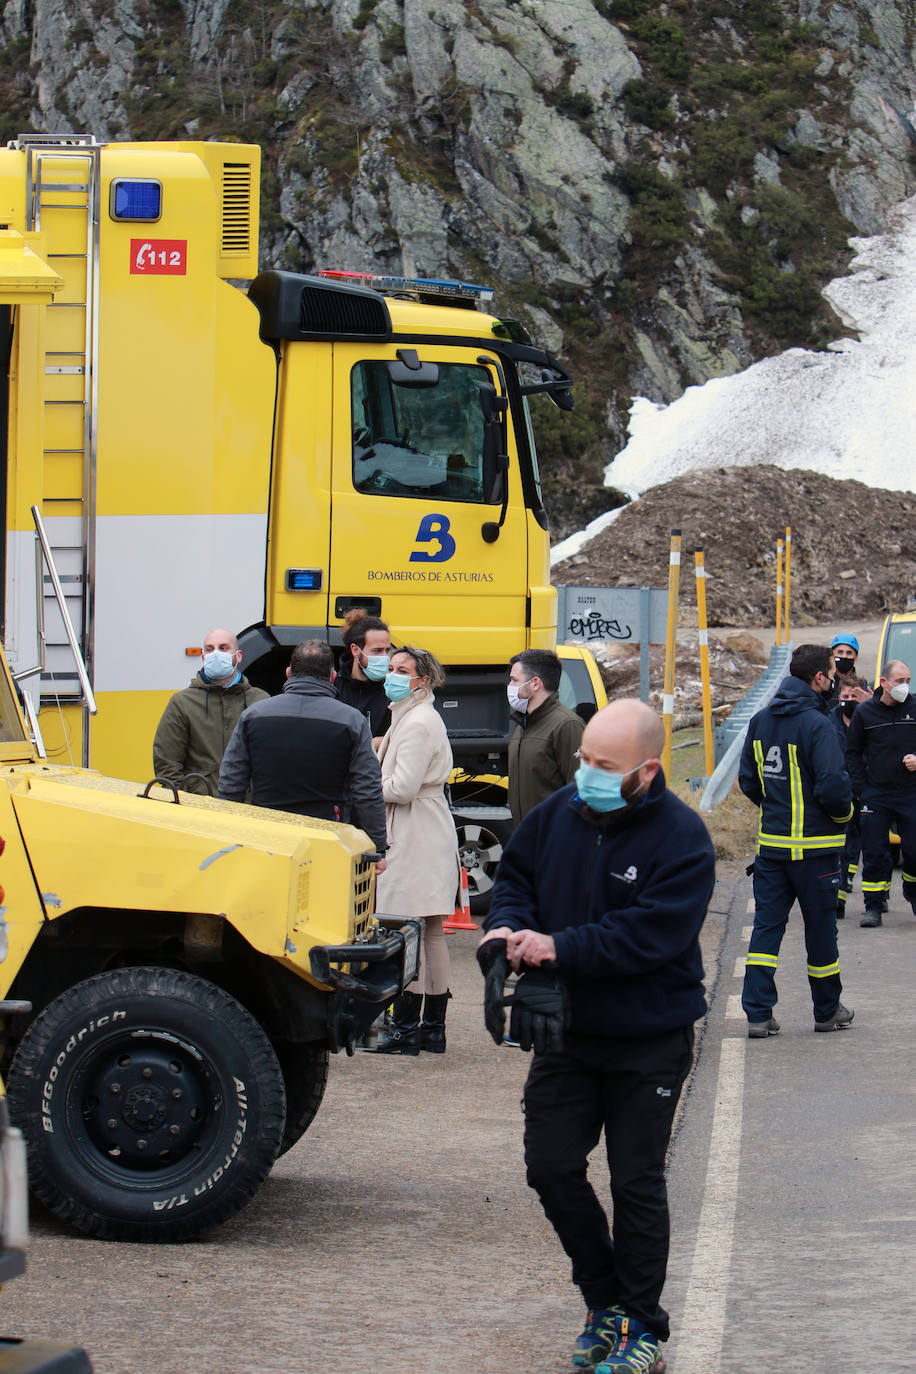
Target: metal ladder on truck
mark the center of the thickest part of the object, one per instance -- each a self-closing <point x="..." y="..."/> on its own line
<point x="63" y="202"/>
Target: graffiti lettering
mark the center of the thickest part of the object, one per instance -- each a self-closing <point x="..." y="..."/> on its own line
<point x="595" y="626"/>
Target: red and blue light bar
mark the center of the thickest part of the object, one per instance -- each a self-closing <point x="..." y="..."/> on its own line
<point x="422" y="286"/>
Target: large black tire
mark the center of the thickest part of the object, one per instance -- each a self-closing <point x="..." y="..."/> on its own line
<point x="152" y="1104"/>
<point x="480" y="846"/>
<point x="305" y="1073"/>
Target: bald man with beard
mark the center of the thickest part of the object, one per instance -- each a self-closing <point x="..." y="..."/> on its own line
<point x="602" y="891"/>
<point x="198" y="722"/>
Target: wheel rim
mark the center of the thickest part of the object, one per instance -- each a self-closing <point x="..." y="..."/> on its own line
<point x="144" y="1103"/>
<point x="480" y="852"/>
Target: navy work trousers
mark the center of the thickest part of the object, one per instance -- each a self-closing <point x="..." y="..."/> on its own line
<point x="849" y="859"/>
<point x="630" y="1088"/>
<point x="883" y="812"/>
<point x="777" y="883"/>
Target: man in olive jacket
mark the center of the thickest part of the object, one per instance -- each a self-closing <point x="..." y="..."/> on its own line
<point x="198" y="722"/>
<point x="543" y="750"/>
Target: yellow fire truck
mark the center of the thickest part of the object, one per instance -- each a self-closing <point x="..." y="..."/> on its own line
<point x="206" y="445"/>
<point x="174" y="972"/>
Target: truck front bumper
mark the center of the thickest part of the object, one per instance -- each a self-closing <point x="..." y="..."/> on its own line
<point x="365" y="978"/>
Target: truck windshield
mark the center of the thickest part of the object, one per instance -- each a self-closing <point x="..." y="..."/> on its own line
<point x="10" y="721"/>
<point x="901" y="643"/>
<point x="419" y="441"/>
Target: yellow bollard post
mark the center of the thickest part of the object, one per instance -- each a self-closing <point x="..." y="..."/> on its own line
<point x="674" y="581"/>
<point x="704" y="658"/>
<point x="788" y="580"/>
<point x="778" y="591"/>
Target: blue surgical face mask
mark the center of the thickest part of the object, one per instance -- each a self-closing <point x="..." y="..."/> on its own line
<point x="376" y="666"/>
<point x="601" y="790"/>
<point x="218" y="663"/>
<point x="397" y="686"/>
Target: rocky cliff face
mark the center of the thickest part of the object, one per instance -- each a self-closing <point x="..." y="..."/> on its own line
<point x="658" y="190"/>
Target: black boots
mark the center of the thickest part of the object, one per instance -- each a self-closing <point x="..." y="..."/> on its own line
<point x="432" y="1031"/>
<point x="403" y="1035"/>
<point x="406" y="1035"/>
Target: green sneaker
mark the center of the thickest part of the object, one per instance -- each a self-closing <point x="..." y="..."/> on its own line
<point x="636" y="1351"/>
<point x="596" y="1340"/>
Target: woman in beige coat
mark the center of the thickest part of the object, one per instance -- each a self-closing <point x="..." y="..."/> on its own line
<point x="422" y="873"/>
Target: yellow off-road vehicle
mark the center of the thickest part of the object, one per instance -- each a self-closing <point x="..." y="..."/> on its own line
<point x="190" y="963"/>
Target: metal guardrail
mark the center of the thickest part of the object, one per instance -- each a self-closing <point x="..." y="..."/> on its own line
<point x="730" y="734"/>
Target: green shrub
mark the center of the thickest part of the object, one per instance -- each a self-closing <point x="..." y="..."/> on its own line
<point x="648" y="101"/>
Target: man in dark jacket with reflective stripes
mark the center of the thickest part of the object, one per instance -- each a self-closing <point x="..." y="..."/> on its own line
<point x="306" y="752"/>
<point x="792" y="767"/>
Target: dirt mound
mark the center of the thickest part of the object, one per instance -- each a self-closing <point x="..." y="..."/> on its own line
<point x="853" y="546"/>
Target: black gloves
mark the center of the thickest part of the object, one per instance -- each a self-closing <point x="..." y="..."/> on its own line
<point x="539" y="1007"/>
<point x="491" y="956"/>
<point x="540" y="1012"/>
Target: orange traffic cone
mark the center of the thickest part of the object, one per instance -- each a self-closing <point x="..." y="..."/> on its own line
<point x="462" y="917"/>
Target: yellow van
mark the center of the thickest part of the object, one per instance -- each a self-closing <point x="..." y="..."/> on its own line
<point x="898" y="640"/>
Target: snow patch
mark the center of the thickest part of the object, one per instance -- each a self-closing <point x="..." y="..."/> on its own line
<point x="848" y="412"/>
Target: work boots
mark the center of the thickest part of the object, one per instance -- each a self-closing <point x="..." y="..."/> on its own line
<point x="402" y="1036"/>
<point x="432" y="1029"/>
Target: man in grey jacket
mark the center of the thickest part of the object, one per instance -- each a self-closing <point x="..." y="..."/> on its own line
<point x="306" y="752"/>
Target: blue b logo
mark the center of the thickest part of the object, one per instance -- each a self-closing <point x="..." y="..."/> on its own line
<point x="434" y="529"/>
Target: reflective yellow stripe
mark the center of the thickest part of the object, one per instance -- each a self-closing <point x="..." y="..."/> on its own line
<point x="843" y="894"/>
<point x="842" y="820"/>
<point x="876" y="887"/>
<point x="827" y="971"/>
<point x="797" y="823"/>
<point x="764" y="960"/>
<point x="808" y="842"/>
<point x="758" y="755"/>
<point x="909" y="877"/>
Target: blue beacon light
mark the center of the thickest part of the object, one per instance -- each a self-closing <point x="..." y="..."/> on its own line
<point x="136" y="200"/>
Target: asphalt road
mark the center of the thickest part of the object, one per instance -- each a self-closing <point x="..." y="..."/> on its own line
<point x="400" y="1235"/>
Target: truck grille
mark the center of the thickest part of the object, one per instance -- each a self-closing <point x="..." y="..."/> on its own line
<point x="363" y="870"/>
<point x="236" y="227"/>
<point x="324" y="312"/>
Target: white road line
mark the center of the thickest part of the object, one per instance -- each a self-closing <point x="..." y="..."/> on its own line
<point x="733" y="1007"/>
<point x="746" y="932"/>
<point x="739" y="967"/>
<point x="750" y="906"/>
<point x="702" y="1325"/>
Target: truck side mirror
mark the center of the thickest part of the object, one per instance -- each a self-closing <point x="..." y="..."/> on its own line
<point x="407" y="370"/>
<point x="495" y="459"/>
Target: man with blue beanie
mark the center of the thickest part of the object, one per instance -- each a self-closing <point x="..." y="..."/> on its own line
<point x="845" y="649"/>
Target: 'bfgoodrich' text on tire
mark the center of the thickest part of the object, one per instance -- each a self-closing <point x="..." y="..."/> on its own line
<point x="152" y="1104"/>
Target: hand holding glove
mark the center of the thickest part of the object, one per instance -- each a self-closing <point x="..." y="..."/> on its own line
<point x="540" y="1011"/>
<point x="494" y="965"/>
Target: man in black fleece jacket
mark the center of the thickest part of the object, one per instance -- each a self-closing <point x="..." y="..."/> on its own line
<point x="609" y="880"/>
<point x="881" y="758"/>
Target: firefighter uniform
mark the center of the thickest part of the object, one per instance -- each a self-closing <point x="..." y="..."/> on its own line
<point x="792" y="768"/>
<point x="879" y="737"/>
